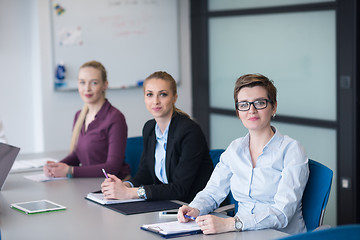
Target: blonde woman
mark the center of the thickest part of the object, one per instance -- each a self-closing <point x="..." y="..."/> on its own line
<point x="99" y="133"/>
<point x="175" y="163"/>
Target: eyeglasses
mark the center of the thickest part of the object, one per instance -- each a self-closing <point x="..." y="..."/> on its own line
<point x="258" y="104"/>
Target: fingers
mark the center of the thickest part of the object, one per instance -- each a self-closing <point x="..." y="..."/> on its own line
<point x="194" y="212"/>
<point x="47" y="171"/>
<point x="109" y="195"/>
<point x="108" y="186"/>
<point x="210" y="224"/>
<point x="114" y="188"/>
<point x="57" y="169"/>
<point x="204" y="222"/>
<point x="199" y="220"/>
<point x="49" y="168"/>
<point x="113" y="178"/>
<point x="186" y="210"/>
<point x="51" y="164"/>
<point x="181" y="212"/>
<point x="108" y="183"/>
<point x="106" y="190"/>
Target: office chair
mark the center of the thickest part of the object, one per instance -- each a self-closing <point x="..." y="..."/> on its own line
<point x="133" y="151"/>
<point x="315" y="197"/>
<point x="215" y="155"/>
<point x="348" y="232"/>
<point x="316" y="194"/>
<point x="229" y="205"/>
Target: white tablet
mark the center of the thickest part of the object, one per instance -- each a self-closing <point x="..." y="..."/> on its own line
<point x="39" y="206"/>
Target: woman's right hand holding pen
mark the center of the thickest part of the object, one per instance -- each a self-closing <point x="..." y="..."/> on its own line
<point x="209" y="224"/>
<point x="114" y="188"/>
<point x="111" y="187"/>
<point x="188" y="211"/>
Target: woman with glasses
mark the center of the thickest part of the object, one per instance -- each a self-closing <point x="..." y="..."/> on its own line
<point x="265" y="170"/>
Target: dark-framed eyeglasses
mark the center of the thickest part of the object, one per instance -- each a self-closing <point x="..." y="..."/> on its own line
<point x="258" y="104"/>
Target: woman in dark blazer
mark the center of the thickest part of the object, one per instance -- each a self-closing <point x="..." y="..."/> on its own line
<point x="175" y="163"/>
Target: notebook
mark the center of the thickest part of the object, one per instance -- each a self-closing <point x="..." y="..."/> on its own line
<point x="173" y="229"/>
<point x="133" y="206"/>
<point x="143" y="206"/>
<point x="99" y="198"/>
<point x="8" y="155"/>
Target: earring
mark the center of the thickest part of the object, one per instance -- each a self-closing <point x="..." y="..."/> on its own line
<point x="274" y="115"/>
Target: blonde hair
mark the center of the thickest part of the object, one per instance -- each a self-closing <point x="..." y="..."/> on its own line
<point x="81" y="118"/>
<point x="167" y="78"/>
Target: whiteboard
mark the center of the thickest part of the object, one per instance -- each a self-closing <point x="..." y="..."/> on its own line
<point x="131" y="38"/>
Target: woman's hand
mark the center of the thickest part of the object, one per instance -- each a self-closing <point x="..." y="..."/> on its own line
<point x="114" y="188"/>
<point x="211" y="224"/>
<point x="47" y="169"/>
<point x="186" y="210"/>
<point x="55" y="169"/>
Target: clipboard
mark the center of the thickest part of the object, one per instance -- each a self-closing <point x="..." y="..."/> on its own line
<point x="173" y="229"/>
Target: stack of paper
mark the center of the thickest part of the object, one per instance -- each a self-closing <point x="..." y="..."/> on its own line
<point x="173" y="229"/>
<point x="99" y="198"/>
<point x="42" y="178"/>
<point x="31" y="164"/>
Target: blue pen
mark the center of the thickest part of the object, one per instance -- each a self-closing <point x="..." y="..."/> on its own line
<point x="189" y="217"/>
<point x="105" y="173"/>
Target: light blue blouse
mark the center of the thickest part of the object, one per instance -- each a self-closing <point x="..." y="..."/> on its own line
<point x="269" y="195"/>
<point x="160" y="153"/>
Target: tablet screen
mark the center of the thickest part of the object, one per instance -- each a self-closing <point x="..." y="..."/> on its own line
<point x="37" y="206"/>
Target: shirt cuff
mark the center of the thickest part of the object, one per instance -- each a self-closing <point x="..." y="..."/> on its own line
<point x="198" y="207"/>
<point x="248" y="222"/>
<point x="131" y="185"/>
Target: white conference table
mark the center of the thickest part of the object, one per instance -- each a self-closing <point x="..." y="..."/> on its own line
<point x="83" y="219"/>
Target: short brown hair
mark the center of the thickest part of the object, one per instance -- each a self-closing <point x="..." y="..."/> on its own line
<point x="252" y="80"/>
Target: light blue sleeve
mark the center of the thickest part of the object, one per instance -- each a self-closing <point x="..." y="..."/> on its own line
<point x="287" y="199"/>
<point x="216" y="190"/>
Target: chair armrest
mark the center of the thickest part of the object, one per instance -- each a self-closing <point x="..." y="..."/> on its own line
<point x="322" y="227"/>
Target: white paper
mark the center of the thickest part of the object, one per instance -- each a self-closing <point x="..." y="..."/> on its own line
<point x="99" y="197"/>
<point x="42" y="178"/>
<point x="172" y="227"/>
<point x="31" y="164"/>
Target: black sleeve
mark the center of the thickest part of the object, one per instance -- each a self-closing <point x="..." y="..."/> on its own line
<point x="187" y="155"/>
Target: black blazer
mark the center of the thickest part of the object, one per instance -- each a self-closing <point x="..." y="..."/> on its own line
<point x="188" y="163"/>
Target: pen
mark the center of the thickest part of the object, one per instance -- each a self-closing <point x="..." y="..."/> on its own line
<point x="189" y="217"/>
<point x="105" y="173"/>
